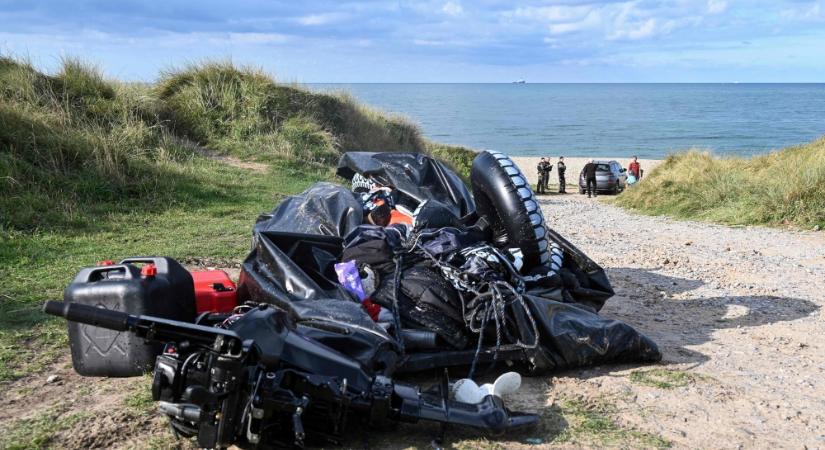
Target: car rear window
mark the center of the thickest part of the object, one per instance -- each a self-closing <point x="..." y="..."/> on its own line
<point x="603" y="167"/>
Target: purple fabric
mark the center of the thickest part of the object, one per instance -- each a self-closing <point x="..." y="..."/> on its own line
<point x="350" y="279"/>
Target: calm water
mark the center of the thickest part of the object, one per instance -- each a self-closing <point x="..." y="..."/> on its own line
<point x="606" y="119"/>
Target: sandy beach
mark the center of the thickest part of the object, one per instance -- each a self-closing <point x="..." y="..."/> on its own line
<point x="574" y="164"/>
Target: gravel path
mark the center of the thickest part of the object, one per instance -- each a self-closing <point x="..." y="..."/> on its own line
<point x="738" y="309"/>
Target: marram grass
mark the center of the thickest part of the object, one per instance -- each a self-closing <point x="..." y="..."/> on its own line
<point x="785" y="187"/>
<point x="74" y="145"/>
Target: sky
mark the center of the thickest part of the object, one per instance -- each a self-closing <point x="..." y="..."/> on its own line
<point x="432" y="41"/>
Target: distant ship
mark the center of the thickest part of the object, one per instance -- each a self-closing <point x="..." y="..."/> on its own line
<point x="519" y="82"/>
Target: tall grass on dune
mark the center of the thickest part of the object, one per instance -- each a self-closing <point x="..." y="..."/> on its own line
<point x="780" y="188"/>
<point x="72" y="139"/>
<point x="457" y="157"/>
<point x="244" y="112"/>
<point x="75" y="145"/>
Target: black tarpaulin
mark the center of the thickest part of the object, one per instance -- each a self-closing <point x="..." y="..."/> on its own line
<point x="414" y="176"/>
<point x="295" y="248"/>
<point x="574" y="337"/>
<point x="585" y="280"/>
<point x="295" y="272"/>
<point x="324" y="208"/>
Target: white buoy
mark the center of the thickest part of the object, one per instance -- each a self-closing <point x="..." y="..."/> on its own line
<point x="466" y="390"/>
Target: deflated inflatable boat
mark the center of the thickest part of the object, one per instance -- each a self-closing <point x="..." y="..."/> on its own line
<point x="346" y="287"/>
<point x="471" y="281"/>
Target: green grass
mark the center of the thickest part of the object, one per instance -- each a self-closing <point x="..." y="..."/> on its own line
<point x="95" y="169"/>
<point x="663" y="378"/>
<point x="38" y="431"/>
<point x="216" y="223"/>
<point x="228" y="108"/>
<point x="592" y="424"/>
<point x="786" y="187"/>
<point x="573" y="423"/>
<point x="459" y="159"/>
<point x="139" y="399"/>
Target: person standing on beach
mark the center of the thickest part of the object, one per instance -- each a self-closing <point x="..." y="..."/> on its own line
<point x="590" y="178"/>
<point x="543" y="173"/>
<point x="560" y="167"/>
<point x="548" y="169"/>
<point x="635" y="168"/>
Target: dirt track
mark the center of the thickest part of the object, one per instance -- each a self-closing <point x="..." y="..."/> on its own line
<point x="736" y="311"/>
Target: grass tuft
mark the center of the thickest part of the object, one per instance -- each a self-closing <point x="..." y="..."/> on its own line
<point x="38" y="431"/>
<point x="592" y="424"/>
<point x="139" y="399"/>
<point x="786" y="187"/>
<point x="663" y="378"/>
<point x="459" y="159"/>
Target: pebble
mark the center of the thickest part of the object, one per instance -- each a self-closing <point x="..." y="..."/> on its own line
<point x="772" y="276"/>
<point x="53" y="379"/>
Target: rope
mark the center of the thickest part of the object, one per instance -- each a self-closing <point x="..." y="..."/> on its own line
<point x="478" y="346"/>
<point x="491" y="295"/>
<point x="396" y="312"/>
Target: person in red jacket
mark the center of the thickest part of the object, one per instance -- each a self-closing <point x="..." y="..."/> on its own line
<point x="635" y="168"/>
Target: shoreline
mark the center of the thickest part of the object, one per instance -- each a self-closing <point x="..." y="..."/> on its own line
<point x="574" y="164"/>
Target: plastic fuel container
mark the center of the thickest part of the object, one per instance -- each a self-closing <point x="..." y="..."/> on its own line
<point x="160" y="287"/>
<point x="214" y="291"/>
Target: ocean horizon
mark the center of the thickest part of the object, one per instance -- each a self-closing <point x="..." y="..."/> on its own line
<point x="604" y="119"/>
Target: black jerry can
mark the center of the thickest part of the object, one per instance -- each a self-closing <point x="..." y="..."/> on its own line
<point x="161" y="287"/>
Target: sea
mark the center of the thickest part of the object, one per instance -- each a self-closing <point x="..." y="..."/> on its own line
<point x="617" y="120"/>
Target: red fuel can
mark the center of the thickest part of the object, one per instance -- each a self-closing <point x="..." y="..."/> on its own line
<point x="214" y="291"/>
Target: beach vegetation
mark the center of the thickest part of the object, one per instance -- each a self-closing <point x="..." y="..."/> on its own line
<point x="94" y="169"/>
<point x="782" y="188"/>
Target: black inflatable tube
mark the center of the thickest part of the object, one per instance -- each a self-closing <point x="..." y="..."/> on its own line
<point x="503" y="196"/>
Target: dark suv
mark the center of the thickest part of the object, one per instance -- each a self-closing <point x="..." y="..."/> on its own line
<point x="610" y="177"/>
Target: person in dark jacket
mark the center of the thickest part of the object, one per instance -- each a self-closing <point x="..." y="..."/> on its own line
<point x="560" y="167"/>
<point x="590" y="177"/>
<point x="543" y="171"/>
<point x="547" y="170"/>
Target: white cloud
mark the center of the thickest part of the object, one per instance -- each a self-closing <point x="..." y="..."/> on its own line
<point x="558" y="13"/>
<point x="591" y="20"/>
<point x="634" y="24"/>
<point x="321" y="19"/>
<point x="428" y="42"/>
<point x="452" y="8"/>
<point x="808" y="13"/>
<point x="635" y="31"/>
<point x="629" y="20"/>
<point x="717" y="6"/>
<point x="258" y="38"/>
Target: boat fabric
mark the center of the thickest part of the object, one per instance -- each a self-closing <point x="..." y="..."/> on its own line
<point x="450" y="280"/>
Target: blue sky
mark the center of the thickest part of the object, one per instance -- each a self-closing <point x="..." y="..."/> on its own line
<point x="433" y="41"/>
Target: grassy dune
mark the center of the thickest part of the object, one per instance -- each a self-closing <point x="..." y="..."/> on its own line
<point x="93" y="169"/>
<point x="244" y="112"/>
<point x="75" y="144"/>
<point x="786" y="187"/>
